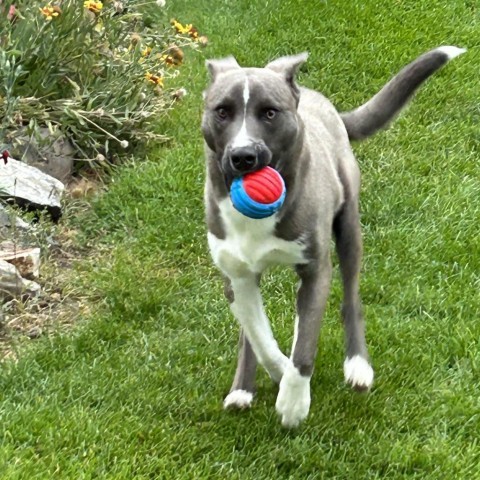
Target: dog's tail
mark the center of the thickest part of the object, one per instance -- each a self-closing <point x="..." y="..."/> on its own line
<point x="367" y="119"/>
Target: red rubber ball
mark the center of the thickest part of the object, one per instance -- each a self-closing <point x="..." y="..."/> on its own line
<point x="263" y="186"/>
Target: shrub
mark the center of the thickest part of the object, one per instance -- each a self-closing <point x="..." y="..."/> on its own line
<point x="96" y="72"/>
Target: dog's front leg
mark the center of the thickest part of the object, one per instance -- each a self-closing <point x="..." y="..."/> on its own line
<point x="293" y="401"/>
<point x="247" y="307"/>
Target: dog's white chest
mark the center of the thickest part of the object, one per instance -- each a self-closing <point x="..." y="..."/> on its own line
<point x="250" y="244"/>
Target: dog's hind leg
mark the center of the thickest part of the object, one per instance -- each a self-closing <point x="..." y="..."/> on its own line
<point x="293" y="401"/>
<point x="346" y="228"/>
<point x="243" y="386"/>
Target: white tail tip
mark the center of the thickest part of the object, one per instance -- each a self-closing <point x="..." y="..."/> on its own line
<point x="451" y="51"/>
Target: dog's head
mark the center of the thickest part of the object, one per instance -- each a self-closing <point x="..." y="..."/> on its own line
<point x="250" y="118"/>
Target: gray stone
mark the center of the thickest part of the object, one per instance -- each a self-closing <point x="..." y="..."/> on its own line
<point x="53" y="154"/>
<point x="34" y="332"/>
<point x="12" y="285"/>
<point x="31" y="188"/>
<point x="27" y="260"/>
<point x="10" y="220"/>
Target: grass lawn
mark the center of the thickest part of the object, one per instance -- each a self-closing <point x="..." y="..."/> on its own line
<point x="135" y="390"/>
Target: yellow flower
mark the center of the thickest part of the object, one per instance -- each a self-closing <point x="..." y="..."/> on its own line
<point x="181" y="28"/>
<point x="50" y="12"/>
<point x="155" y="79"/>
<point x="173" y="56"/>
<point x="188" y="29"/>
<point x="146" y="51"/>
<point x="167" y="59"/>
<point x="193" y="32"/>
<point x="93" y="6"/>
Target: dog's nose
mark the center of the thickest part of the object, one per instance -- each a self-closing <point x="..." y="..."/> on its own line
<point x="244" y="158"/>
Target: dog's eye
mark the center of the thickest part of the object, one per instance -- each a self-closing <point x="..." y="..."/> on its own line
<point x="270" y="113"/>
<point x="222" y="113"/>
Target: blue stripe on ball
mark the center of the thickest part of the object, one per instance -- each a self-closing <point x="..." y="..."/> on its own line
<point x="250" y="208"/>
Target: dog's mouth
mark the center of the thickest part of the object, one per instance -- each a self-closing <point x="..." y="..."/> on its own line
<point x="238" y="161"/>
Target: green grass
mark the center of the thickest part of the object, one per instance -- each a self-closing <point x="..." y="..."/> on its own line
<point x="135" y="391"/>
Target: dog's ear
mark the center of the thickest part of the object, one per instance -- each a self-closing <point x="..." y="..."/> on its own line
<point x="288" y="66"/>
<point x="221" y="65"/>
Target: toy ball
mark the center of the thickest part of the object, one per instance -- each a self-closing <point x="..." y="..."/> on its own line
<point x="258" y="194"/>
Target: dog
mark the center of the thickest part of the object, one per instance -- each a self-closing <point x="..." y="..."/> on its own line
<point x="254" y="117"/>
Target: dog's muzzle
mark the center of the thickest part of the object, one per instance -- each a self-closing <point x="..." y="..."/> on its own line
<point x="244" y="159"/>
<point x="249" y="158"/>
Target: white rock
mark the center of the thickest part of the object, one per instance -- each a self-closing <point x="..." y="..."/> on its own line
<point x="11" y="220"/>
<point x="13" y="285"/>
<point x="27" y="260"/>
<point x="30" y="187"/>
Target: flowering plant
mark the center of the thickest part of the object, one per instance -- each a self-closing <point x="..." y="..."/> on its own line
<point x="94" y="71"/>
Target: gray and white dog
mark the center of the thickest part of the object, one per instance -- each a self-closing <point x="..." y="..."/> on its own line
<point x="259" y="116"/>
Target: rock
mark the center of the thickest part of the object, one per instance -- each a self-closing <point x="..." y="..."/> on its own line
<point x="34" y="332"/>
<point x="10" y="220"/>
<point x="27" y="260"/>
<point x="30" y="187"/>
<point x="51" y="153"/>
<point x="13" y="285"/>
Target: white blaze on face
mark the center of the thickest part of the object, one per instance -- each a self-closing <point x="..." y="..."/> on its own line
<point x="242" y="139"/>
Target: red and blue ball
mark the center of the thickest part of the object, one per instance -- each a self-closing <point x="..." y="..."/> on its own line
<point x="258" y="194"/>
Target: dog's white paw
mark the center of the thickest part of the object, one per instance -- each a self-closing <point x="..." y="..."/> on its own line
<point x="293" y="401"/>
<point x="358" y="372"/>
<point x="239" y="399"/>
